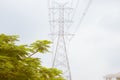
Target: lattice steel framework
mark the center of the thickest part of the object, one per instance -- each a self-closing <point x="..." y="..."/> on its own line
<point x="60" y="16"/>
<point x="60" y="19"/>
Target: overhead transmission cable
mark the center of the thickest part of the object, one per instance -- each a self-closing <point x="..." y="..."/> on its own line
<point x="74" y="11"/>
<point x="82" y="17"/>
<point x="78" y="1"/>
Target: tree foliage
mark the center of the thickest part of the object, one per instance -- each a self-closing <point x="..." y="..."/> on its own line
<point x="17" y="63"/>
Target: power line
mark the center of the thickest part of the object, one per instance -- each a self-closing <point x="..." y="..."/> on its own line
<point x="82" y="17"/>
<point x="74" y="11"/>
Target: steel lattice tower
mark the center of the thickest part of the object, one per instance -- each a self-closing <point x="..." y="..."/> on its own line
<point x="61" y="15"/>
<point x="60" y="20"/>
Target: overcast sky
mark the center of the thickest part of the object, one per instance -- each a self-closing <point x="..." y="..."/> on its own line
<point x="95" y="49"/>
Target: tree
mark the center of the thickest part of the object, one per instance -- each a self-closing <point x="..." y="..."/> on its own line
<point x="17" y="63"/>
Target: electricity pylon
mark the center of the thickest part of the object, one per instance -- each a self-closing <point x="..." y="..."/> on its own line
<point x="61" y="15"/>
<point x="60" y="19"/>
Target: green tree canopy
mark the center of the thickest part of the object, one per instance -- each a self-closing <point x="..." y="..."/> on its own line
<point x="17" y="63"/>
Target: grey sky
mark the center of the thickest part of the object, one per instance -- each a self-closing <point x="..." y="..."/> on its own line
<point x="94" y="51"/>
